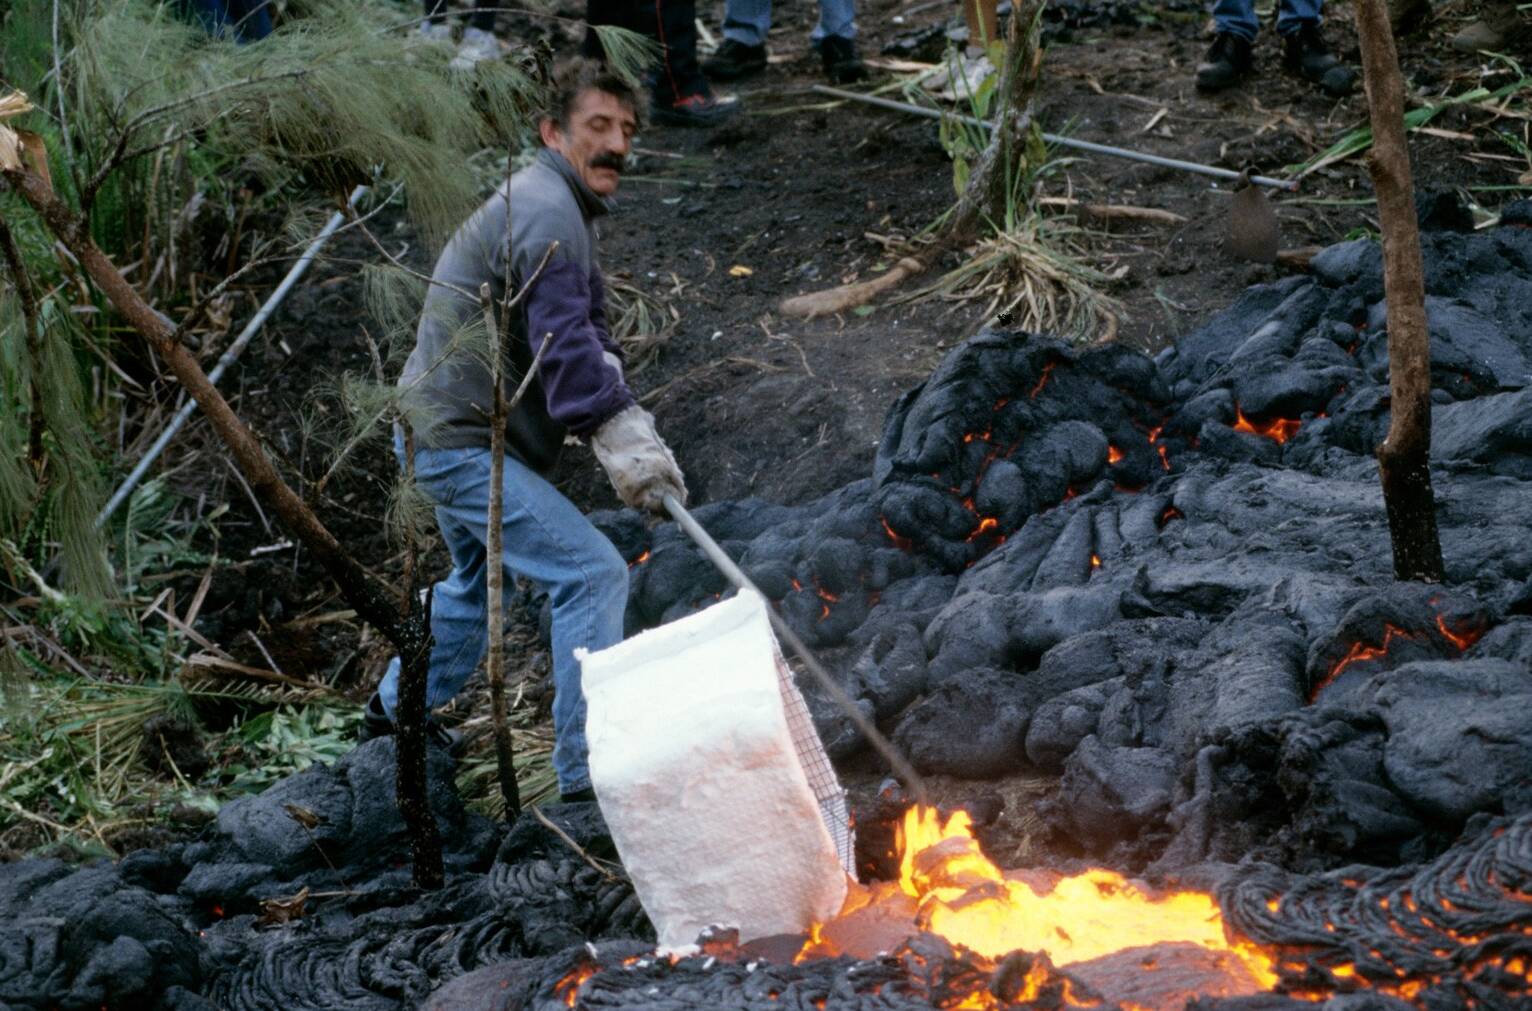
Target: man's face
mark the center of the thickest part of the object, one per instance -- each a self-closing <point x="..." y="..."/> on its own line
<point x="597" y="140"/>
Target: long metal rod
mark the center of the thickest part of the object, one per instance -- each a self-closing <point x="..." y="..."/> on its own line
<point x="1070" y="142"/>
<point x="227" y="359"/>
<point x="901" y="765"/>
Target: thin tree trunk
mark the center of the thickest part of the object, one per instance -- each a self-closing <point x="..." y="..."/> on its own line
<point x="1404" y="455"/>
<point x="371" y="598"/>
<point x="494" y="567"/>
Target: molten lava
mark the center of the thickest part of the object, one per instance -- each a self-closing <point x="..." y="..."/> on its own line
<point x="948" y="887"/>
<point x="568" y="988"/>
<point x="1278" y="430"/>
<point x="1113" y="454"/>
<point x="902" y="543"/>
<point x="1360" y="652"/>
<point x="1462" y="640"/>
<point x="641" y="559"/>
<point x="1041" y="381"/>
<point x="987" y="524"/>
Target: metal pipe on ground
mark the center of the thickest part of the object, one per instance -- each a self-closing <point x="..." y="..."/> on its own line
<point x="228" y="358"/>
<point x="901" y="765"/>
<point x="1069" y="142"/>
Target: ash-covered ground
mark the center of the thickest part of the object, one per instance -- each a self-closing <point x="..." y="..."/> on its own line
<point x="1166" y="582"/>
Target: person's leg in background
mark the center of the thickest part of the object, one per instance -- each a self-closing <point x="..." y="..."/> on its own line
<point x="835" y="38"/>
<point x="682" y="96"/>
<point x="433" y="24"/>
<point x="1304" y="50"/>
<point x="1230" y="57"/>
<point x="244" y="20"/>
<point x="743" y="52"/>
<point x="478" y="42"/>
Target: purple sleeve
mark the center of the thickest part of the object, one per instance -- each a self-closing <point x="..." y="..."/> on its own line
<point x="598" y="313"/>
<point x="582" y="390"/>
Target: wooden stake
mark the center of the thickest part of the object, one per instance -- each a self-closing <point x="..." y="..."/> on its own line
<point x="1404" y="455"/>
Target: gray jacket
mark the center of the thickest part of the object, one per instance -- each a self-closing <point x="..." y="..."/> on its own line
<point x="576" y="388"/>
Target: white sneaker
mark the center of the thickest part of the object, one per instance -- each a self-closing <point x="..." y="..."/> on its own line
<point x="477" y="45"/>
<point x="435" y="31"/>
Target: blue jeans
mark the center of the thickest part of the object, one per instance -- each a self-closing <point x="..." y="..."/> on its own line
<point x="246" y="20"/>
<point x="748" y="21"/>
<point x="547" y="540"/>
<point x="1237" y="17"/>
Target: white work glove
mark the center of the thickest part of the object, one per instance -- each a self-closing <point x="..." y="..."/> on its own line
<point x="639" y="463"/>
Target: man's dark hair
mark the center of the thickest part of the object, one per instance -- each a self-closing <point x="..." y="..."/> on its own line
<point x="573" y="77"/>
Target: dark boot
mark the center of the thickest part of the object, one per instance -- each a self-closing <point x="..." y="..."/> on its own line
<point x="842" y="64"/>
<point x="375" y="723"/>
<point x="1305" y="52"/>
<point x="735" y="61"/>
<point x="1227" y="62"/>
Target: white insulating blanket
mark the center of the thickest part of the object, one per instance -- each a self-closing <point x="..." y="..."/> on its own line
<point x="717" y="791"/>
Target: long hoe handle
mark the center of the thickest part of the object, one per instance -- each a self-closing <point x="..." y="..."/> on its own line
<point x="901" y="765"/>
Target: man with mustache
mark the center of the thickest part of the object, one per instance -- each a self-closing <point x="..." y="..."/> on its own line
<point x="578" y="390"/>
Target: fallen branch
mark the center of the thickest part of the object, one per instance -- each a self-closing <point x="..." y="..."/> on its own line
<point x="1115" y="212"/>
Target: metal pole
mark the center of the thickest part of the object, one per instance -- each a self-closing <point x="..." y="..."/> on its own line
<point x="227" y="358"/>
<point x="736" y="575"/>
<point x="1070" y="142"/>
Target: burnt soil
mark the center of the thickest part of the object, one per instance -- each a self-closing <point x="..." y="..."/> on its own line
<point x="784" y="409"/>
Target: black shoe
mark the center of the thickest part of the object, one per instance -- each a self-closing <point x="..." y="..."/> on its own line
<point x="1305" y="52"/>
<point x="585" y="796"/>
<point x="375" y="723"/>
<point x="695" y="110"/>
<point x="1227" y="61"/>
<point x="842" y="65"/>
<point x="735" y="61"/>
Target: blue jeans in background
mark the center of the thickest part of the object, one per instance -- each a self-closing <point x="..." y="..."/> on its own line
<point x="1237" y="17"/>
<point x="546" y="540"/>
<point x="245" y="20"/>
<point x="748" y="21"/>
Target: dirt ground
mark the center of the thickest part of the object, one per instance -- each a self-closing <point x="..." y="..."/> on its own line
<point x="755" y="404"/>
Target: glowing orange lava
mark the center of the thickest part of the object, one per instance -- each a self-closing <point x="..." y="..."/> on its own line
<point x="987" y="524"/>
<point x="1113" y="454"/>
<point x="902" y="543"/>
<point x="641" y="559"/>
<point x="1278" y="430"/>
<point x="568" y="988"/>
<point x="1095" y="561"/>
<point x="1462" y="640"/>
<point x="953" y="890"/>
<point x="1359" y="652"/>
<point x="1041" y="381"/>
